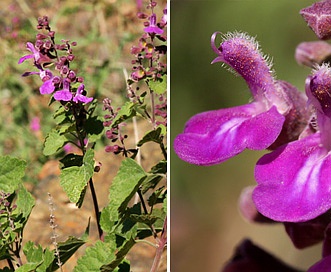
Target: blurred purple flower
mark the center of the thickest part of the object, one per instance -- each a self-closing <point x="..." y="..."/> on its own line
<point x="139" y="4"/>
<point x="35" y="124"/>
<point x="215" y="136"/>
<point x="294" y="181"/>
<point x="312" y="53"/>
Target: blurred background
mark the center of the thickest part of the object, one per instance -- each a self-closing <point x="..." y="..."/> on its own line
<point x="206" y="225"/>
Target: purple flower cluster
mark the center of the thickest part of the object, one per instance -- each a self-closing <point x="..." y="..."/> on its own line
<point x="294" y="179"/>
<point x="114" y="133"/>
<point x="149" y="62"/>
<point x="148" y="67"/>
<point x="66" y="85"/>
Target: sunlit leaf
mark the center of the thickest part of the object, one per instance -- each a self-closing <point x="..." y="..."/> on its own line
<point x="11" y="173"/>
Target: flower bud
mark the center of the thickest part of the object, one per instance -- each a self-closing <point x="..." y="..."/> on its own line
<point x="318" y="17"/>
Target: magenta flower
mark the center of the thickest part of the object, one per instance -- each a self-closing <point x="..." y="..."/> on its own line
<point x="48" y="86"/>
<point x="318" y="17"/>
<point x="35" y="124"/>
<point x="36" y="55"/>
<point x="312" y="53"/>
<point x="153" y="28"/>
<point x="273" y="117"/>
<point x="64" y="94"/>
<point x="294" y="181"/>
<point x="80" y="97"/>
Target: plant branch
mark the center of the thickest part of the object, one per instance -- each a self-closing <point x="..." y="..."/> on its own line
<point x="162" y="243"/>
<point x="96" y="208"/>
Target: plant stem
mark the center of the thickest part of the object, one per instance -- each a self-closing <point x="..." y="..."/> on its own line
<point x="164" y="151"/>
<point x="162" y="243"/>
<point x="96" y="208"/>
<point x="10" y="263"/>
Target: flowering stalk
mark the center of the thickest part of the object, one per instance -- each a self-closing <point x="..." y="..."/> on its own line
<point x="68" y="89"/>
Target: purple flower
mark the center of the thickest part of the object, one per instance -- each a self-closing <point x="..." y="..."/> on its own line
<point x="153" y="28"/>
<point x="214" y="136"/>
<point x="318" y="17"/>
<point x="248" y="209"/>
<point x="64" y="94"/>
<point x="48" y="86"/>
<point x="38" y="58"/>
<point x="35" y="124"/>
<point x="80" y="97"/>
<point x="312" y="53"/>
<point x="294" y="181"/>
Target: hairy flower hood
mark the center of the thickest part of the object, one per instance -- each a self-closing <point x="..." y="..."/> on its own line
<point x="275" y="116"/>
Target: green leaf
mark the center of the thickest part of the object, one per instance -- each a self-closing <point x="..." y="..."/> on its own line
<point x="150" y="182"/>
<point x="95" y="257"/>
<point x="38" y="259"/>
<point x="94" y="128"/>
<point x="159" y="86"/>
<point x="126" y="112"/>
<point x="165" y="204"/>
<point x="11" y="173"/>
<point x="25" y="202"/>
<point x="124" y="186"/>
<point x="66" y="250"/>
<point x="120" y="255"/>
<point x="53" y="142"/>
<point x="71" y="160"/>
<point x="160" y="168"/>
<point x="61" y="116"/>
<point x="157" y="196"/>
<point x="74" y="179"/>
<point x="152" y="136"/>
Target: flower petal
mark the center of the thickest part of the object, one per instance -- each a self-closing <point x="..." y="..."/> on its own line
<point x="294" y="181"/>
<point x="82" y="98"/>
<point x="63" y="95"/>
<point x="47" y="87"/>
<point x="322" y="265"/>
<point x="215" y="136"/>
<point x="22" y="59"/>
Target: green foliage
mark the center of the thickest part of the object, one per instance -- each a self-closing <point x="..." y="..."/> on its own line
<point x="66" y="250"/>
<point x="53" y="142"/>
<point x="74" y="179"/>
<point x="154" y="136"/>
<point x="124" y="186"/>
<point x="39" y="259"/>
<point x="11" y="173"/>
<point x="159" y="86"/>
<point x="95" y="257"/>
